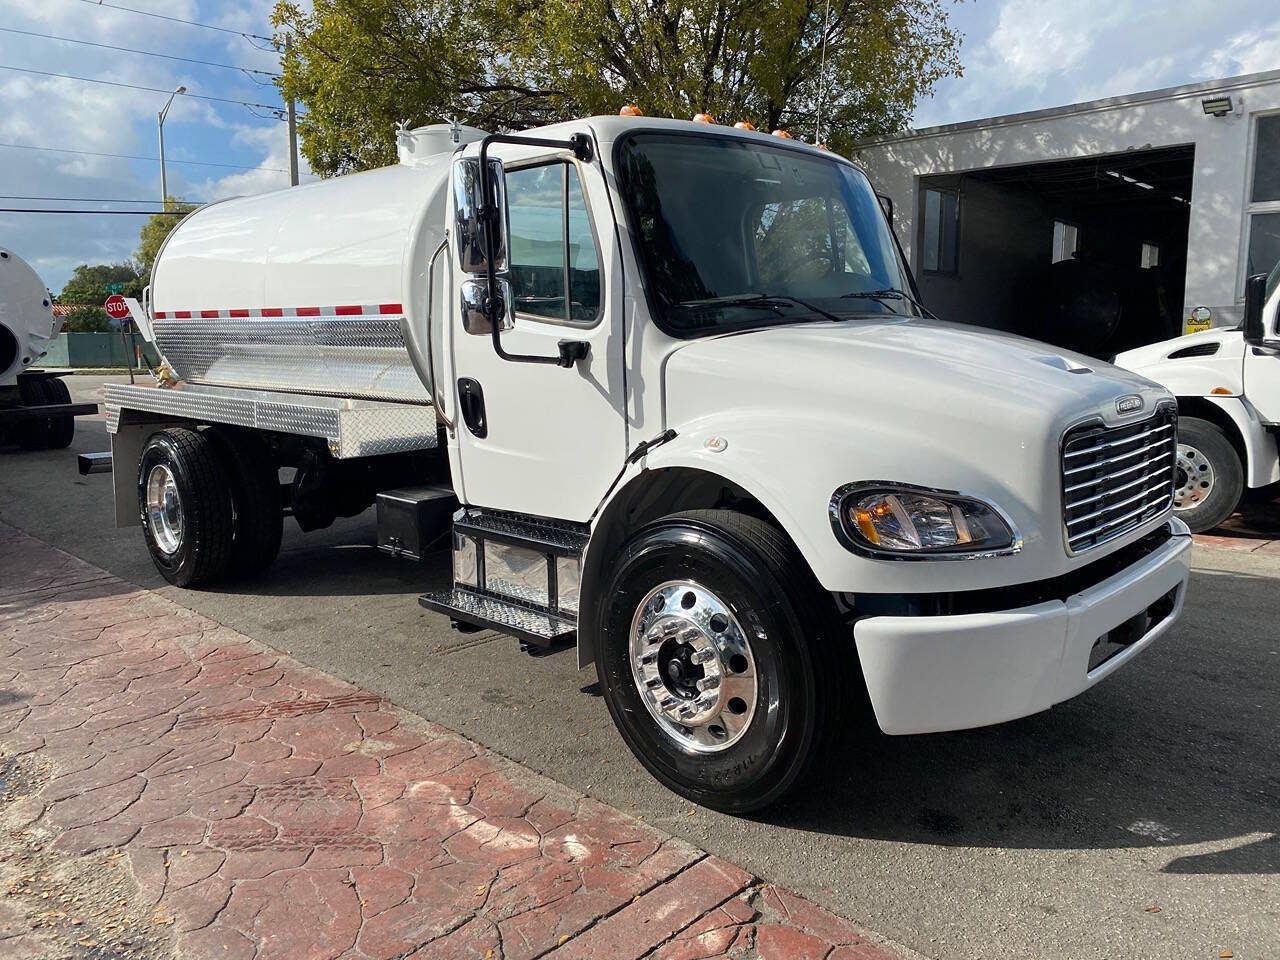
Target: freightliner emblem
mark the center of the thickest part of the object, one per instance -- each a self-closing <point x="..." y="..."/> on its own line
<point x="1129" y="404"/>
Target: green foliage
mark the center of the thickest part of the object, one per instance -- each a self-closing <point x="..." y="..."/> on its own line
<point x="87" y="320"/>
<point x="87" y="290"/>
<point x="361" y="65"/>
<point x="154" y="232"/>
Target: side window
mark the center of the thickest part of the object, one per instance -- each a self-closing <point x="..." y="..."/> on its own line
<point x="941" y="231"/>
<point x="1066" y="241"/>
<point x="1263" y="211"/>
<point x="555" y="269"/>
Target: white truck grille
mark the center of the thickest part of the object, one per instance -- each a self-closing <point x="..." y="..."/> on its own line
<point x="1116" y="478"/>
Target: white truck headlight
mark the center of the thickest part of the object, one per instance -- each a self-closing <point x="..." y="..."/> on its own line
<point x="903" y="521"/>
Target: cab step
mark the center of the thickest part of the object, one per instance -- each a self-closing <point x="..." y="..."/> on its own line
<point x="541" y="628"/>
<point x="514" y="573"/>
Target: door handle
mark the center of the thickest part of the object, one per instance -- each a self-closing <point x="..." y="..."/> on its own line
<point x="471" y="401"/>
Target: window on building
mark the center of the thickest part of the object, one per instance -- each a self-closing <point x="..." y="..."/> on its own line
<point x="1150" y="255"/>
<point x="1264" y="198"/>
<point x="941" y="239"/>
<point x="555" y="269"/>
<point x="1066" y="240"/>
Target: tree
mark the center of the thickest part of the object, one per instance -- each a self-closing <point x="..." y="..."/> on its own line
<point x="361" y="65"/>
<point x="154" y="232"/>
<point x="86" y="291"/>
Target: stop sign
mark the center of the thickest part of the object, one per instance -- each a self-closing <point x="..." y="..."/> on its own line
<point x="116" y="308"/>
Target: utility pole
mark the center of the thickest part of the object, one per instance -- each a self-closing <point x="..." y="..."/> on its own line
<point x="293" y="132"/>
<point x="164" y="111"/>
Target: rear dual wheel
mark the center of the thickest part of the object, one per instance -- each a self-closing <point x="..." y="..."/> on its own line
<point x="715" y="657"/>
<point x="44" y="433"/>
<point x="209" y="503"/>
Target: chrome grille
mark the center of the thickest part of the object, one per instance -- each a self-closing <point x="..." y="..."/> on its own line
<point x="1116" y="478"/>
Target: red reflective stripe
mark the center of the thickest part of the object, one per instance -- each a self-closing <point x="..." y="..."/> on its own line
<point x="347" y="311"/>
<point x="239" y="313"/>
<point x="308" y="311"/>
<point x="273" y="311"/>
<point x="182" y="314"/>
<point x="159" y="314"/>
<point x="389" y="308"/>
<point x="208" y="313"/>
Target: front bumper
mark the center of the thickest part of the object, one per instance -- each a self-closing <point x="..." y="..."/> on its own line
<point x="933" y="673"/>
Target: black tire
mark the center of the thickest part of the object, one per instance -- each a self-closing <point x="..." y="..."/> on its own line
<point x="32" y="434"/>
<point x="762" y="579"/>
<point x="255" y="497"/>
<point x="61" y="429"/>
<point x="1204" y="448"/>
<point x="203" y="548"/>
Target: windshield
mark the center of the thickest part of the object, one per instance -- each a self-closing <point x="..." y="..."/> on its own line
<point x="737" y="233"/>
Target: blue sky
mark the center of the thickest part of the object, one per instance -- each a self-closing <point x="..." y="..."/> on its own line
<point x="1018" y="55"/>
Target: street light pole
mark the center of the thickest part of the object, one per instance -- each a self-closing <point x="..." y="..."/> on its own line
<point x="164" y="111"/>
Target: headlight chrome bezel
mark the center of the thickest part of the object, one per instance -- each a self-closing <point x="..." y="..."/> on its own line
<point x="856" y="544"/>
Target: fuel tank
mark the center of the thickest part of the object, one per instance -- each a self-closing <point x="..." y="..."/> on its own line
<point x="317" y="289"/>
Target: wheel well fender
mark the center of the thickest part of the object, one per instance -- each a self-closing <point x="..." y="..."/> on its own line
<point x="1253" y="443"/>
<point x="649" y="494"/>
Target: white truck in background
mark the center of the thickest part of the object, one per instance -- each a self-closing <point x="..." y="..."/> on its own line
<point x="664" y="388"/>
<point x="36" y="411"/>
<point x="1227" y="382"/>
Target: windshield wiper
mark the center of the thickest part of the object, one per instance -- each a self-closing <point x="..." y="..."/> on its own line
<point x="762" y="301"/>
<point x="889" y="293"/>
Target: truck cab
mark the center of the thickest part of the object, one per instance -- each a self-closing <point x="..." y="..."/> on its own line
<point x="1227" y="381"/>
<point x="690" y="415"/>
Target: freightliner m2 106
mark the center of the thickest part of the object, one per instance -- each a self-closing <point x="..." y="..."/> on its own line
<point x="665" y="388"/>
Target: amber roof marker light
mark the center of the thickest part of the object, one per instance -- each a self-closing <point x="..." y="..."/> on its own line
<point x="783" y="134"/>
<point x="630" y="110"/>
<point x="703" y="118"/>
<point x="745" y="125"/>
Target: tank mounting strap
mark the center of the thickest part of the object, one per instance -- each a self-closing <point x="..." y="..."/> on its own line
<point x="351" y="427"/>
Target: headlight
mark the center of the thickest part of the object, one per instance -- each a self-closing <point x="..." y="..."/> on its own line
<point x="898" y="520"/>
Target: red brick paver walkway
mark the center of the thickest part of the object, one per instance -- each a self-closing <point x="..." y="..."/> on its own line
<point x="266" y="810"/>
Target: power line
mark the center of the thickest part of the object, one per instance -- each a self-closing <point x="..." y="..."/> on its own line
<point x="90" y="199"/>
<point x="133" y="86"/>
<point x="124" y="213"/>
<point x="145" y="53"/>
<point x="129" y="156"/>
<point x="190" y="23"/>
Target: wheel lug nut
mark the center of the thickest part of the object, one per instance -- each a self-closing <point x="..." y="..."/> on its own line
<point x="708" y="683"/>
<point x="653" y="683"/>
<point x="705" y="655"/>
<point x="649" y="657"/>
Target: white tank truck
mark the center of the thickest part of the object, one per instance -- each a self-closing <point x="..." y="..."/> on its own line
<point x="1227" y="382"/>
<point x="666" y="388"/>
<point x="36" y="411"/>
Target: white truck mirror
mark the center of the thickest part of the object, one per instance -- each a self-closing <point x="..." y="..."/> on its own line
<point x="1255" y="298"/>
<point x="469" y="229"/>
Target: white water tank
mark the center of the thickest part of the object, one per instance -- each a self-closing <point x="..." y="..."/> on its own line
<point x="27" y="324"/>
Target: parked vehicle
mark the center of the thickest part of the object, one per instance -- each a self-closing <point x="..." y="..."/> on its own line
<point x="664" y="387"/>
<point x="36" y="411"/>
<point x="1227" y="382"/>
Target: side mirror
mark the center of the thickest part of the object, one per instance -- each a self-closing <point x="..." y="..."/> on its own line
<point x="469" y="226"/>
<point x="886" y="204"/>
<point x="1255" y="298"/>
<point x="475" y="318"/>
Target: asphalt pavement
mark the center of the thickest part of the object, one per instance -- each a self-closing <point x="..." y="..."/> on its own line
<point x="1138" y="820"/>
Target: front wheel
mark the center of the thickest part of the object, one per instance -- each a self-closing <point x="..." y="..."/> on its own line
<point x="1208" y="478"/>
<point x="708" y="657"/>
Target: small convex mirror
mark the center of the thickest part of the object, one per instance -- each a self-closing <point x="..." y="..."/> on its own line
<point x="467" y="204"/>
<point x="475" y="319"/>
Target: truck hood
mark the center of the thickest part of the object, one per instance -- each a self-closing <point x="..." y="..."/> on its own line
<point x="902" y="367"/>
<point x="793" y="414"/>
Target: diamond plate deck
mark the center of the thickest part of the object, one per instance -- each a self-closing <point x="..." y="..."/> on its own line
<point x="352" y="427"/>
<point x="536" y="626"/>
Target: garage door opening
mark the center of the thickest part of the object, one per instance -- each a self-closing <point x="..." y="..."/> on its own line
<point x="1087" y="254"/>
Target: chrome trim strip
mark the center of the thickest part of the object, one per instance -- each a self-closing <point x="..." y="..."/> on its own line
<point x="842" y="493"/>
<point x="1117" y="443"/>
<point x="1115" y="473"/>
<point x="1123" y="456"/>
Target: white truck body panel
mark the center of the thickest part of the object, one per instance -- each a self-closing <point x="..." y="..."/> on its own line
<point x="27" y="324"/>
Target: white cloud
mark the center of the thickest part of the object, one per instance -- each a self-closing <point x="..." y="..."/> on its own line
<point x="1249" y="52"/>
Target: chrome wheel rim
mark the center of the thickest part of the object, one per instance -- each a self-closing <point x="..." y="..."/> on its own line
<point x="693" y="666"/>
<point x="164" y="509"/>
<point x="1193" y="478"/>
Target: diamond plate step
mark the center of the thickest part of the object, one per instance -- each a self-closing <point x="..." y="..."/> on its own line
<point x="535" y="626"/>
<point x="537" y="533"/>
